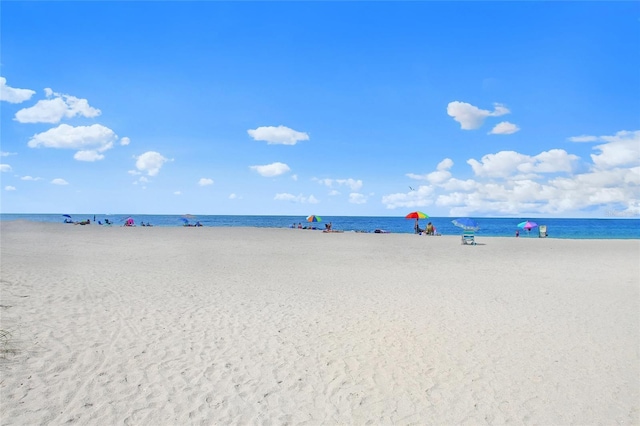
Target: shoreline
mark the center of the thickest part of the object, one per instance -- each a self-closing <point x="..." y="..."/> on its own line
<point x="259" y="325"/>
<point x="478" y="235"/>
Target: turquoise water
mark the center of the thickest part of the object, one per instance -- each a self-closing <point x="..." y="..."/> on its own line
<point x="614" y="228"/>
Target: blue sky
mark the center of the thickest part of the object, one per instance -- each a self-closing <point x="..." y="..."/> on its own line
<point x="329" y="108"/>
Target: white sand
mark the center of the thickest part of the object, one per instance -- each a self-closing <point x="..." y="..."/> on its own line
<point x="177" y="326"/>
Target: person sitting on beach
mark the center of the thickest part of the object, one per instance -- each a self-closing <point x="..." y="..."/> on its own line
<point x="430" y="229"/>
<point x="84" y="222"/>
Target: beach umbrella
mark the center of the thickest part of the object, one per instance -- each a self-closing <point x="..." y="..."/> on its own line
<point x="466" y="223"/>
<point x="528" y="225"/>
<point x="314" y="218"/>
<point x="66" y="215"/>
<point x="184" y="220"/>
<point x="416" y="215"/>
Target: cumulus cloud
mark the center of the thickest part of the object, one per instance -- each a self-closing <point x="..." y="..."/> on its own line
<point x="9" y="188"/>
<point x="471" y="117"/>
<point x="234" y="197"/>
<point x="125" y="141"/>
<point x="4" y="168"/>
<point x="353" y="184"/>
<point x="504" y="128"/>
<point x="30" y="178"/>
<point x="511" y="183"/>
<point x="301" y="199"/>
<point x="621" y="149"/>
<point x="507" y="163"/>
<point x="55" y="109"/>
<point x="14" y="96"/>
<point x="59" y="181"/>
<point x="150" y="162"/>
<point x="205" y="182"/>
<point x="91" y="141"/>
<point x="440" y="175"/>
<point x="357" y="198"/>
<point x="277" y="135"/>
<point x="271" y="170"/>
<point x="6" y="154"/>
<point x="420" y="197"/>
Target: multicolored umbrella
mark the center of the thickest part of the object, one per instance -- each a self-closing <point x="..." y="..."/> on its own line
<point x="527" y="225"/>
<point x="416" y="215"/>
<point x="466" y="223"/>
<point x="314" y="218"/>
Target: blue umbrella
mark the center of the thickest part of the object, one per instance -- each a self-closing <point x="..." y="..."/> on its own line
<point x="66" y="215"/>
<point x="466" y="223"/>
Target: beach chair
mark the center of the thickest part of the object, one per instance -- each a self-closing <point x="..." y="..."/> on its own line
<point x="542" y="231"/>
<point x="468" y="237"/>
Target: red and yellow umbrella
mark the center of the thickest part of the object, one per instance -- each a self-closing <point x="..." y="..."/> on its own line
<point x="416" y="215"/>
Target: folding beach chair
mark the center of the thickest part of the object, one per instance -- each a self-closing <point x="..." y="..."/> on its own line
<point x="468" y="237"/>
<point x="542" y="231"/>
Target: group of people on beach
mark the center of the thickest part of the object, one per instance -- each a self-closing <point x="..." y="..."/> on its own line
<point x="429" y="230"/>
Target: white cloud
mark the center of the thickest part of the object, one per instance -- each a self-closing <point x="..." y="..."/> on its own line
<point x="96" y="136"/>
<point x="283" y="196"/>
<point x="583" y="138"/>
<point x="59" y="181"/>
<point x="546" y="184"/>
<point x="234" y="197"/>
<point x="13" y="96"/>
<point x="271" y="170"/>
<point x="177" y="193"/>
<point x="508" y="163"/>
<point x="125" y="141"/>
<point x="9" y="188"/>
<point x="150" y="162"/>
<point x="504" y="128"/>
<point x="353" y="184"/>
<point x="357" y="198"/>
<point x="501" y="164"/>
<point x="30" y="178"/>
<point x="471" y="117"/>
<point x="334" y="192"/>
<point x="294" y="177"/>
<point x="440" y="175"/>
<point x="5" y="168"/>
<point x="421" y="197"/>
<point x="133" y="172"/>
<point x="90" y="155"/>
<point x="621" y="149"/>
<point x="205" y="181"/>
<point x="277" y="135"/>
<point x="54" y="110"/>
<point x="6" y="154"/>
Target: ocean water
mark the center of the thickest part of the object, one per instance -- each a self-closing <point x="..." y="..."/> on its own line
<point x="612" y="228"/>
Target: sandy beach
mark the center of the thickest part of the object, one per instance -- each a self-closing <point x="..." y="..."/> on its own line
<point x="204" y="326"/>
